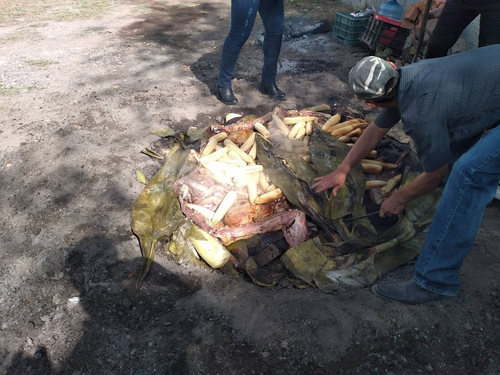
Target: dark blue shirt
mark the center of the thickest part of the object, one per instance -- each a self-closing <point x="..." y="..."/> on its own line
<point x="447" y="103"/>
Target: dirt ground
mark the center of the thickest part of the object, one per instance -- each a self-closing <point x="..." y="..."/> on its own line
<point x="79" y="98"/>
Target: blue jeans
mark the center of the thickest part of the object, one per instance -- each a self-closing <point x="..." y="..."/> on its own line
<point x="243" y="14"/>
<point x="470" y="187"/>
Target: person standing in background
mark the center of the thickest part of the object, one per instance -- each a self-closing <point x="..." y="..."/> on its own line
<point x="243" y="14"/>
<point x="456" y="16"/>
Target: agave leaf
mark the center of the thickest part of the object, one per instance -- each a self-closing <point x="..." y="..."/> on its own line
<point x="194" y="134"/>
<point x="319" y="108"/>
<point x="304" y="261"/>
<point x="139" y="176"/>
<point x="151" y="153"/>
<point x="156" y="213"/>
<point x="166" y="132"/>
<point x="297" y="191"/>
<point x="327" y="153"/>
<point x="263" y="276"/>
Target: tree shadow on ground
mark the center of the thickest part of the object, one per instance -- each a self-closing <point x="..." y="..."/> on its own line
<point x="115" y="311"/>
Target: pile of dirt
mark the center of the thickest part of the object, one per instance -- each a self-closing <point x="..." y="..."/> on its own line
<point x="79" y="100"/>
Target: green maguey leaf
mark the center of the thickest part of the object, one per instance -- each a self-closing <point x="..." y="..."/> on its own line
<point x="156" y="213"/>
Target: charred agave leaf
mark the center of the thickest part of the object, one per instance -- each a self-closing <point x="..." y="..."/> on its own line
<point x="366" y="272"/>
<point x="156" y="213"/>
<point x="295" y="189"/>
<point x="327" y="153"/>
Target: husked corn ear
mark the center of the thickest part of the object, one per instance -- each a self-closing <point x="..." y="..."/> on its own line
<point x="262" y="130"/>
<point x="224" y="206"/>
<point x="354" y="139"/>
<point x="243" y="155"/>
<point x="247" y="145"/>
<point x="383" y="164"/>
<point x="391" y="184"/>
<point x="209" y="147"/>
<point x="374" y="184"/>
<point x="307" y="158"/>
<point x="252" y="188"/>
<point x="212" y="143"/>
<point x="213" y="156"/>
<point x="301" y="134"/>
<point x="355" y="123"/>
<point x="253" y="151"/>
<point x="271" y="187"/>
<point x="309" y="127"/>
<point x="294" y="120"/>
<point x="371" y="168"/>
<point x="207" y="213"/>
<point x="372" y="154"/>
<point x="280" y="124"/>
<point x="331" y="122"/>
<point x="235" y="157"/>
<point x="305" y="140"/>
<point x="342" y="131"/>
<point x="270" y="196"/>
<point x="344" y="138"/>
<point x="220" y="137"/>
<point x="263" y="181"/>
<point x="295" y="129"/>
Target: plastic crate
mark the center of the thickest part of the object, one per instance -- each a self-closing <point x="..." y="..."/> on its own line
<point x="387" y="34"/>
<point x="347" y="29"/>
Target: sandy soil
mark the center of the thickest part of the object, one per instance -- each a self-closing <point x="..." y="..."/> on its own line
<point x="78" y="102"/>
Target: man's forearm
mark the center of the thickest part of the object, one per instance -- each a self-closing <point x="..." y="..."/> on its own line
<point x="421" y="185"/>
<point x="370" y="139"/>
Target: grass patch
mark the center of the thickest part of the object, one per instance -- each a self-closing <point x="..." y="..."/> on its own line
<point x="41" y="63"/>
<point x="21" y="11"/>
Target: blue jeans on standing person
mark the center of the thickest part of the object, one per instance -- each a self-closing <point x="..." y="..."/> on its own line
<point x="243" y="14"/>
<point x="470" y="187"/>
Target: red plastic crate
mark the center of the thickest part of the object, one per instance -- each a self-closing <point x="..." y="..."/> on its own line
<point x="384" y="33"/>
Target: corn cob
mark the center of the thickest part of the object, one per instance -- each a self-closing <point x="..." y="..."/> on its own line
<point x="253" y="151"/>
<point x="212" y="142"/>
<point x="295" y="129"/>
<point x="306" y="139"/>
<point x="280" y="124"/>
<point x="309" y="127"/>
<point x="263" y="181"/>
<point x="374" y="184"/>
<point x="232" y="146"/>
<point x="383" y="164"/>
<point x="371" y="168"/>
<point x="262" y="130"/>
<point x="224" y="206"/>
<point x="207" y="213"/>
<point x="247" y="145"/>
<point x="213" y="156"/>
<point x="391" y="184"/>
<point x="270" y="196"/>
<point x="252" y="188"/>
<point x="300" y="134"/>
<point x="331" y="122"/>
<point x="294" y="120"/>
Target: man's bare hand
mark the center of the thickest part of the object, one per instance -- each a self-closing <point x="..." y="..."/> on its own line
<point x="392" y="206"/>
<point x="333" y="180"/>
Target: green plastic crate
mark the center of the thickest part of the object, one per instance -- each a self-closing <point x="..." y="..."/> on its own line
<point x="347" y="29"/>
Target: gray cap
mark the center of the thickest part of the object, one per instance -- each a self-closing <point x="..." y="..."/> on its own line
<point x="372" y="78"/>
